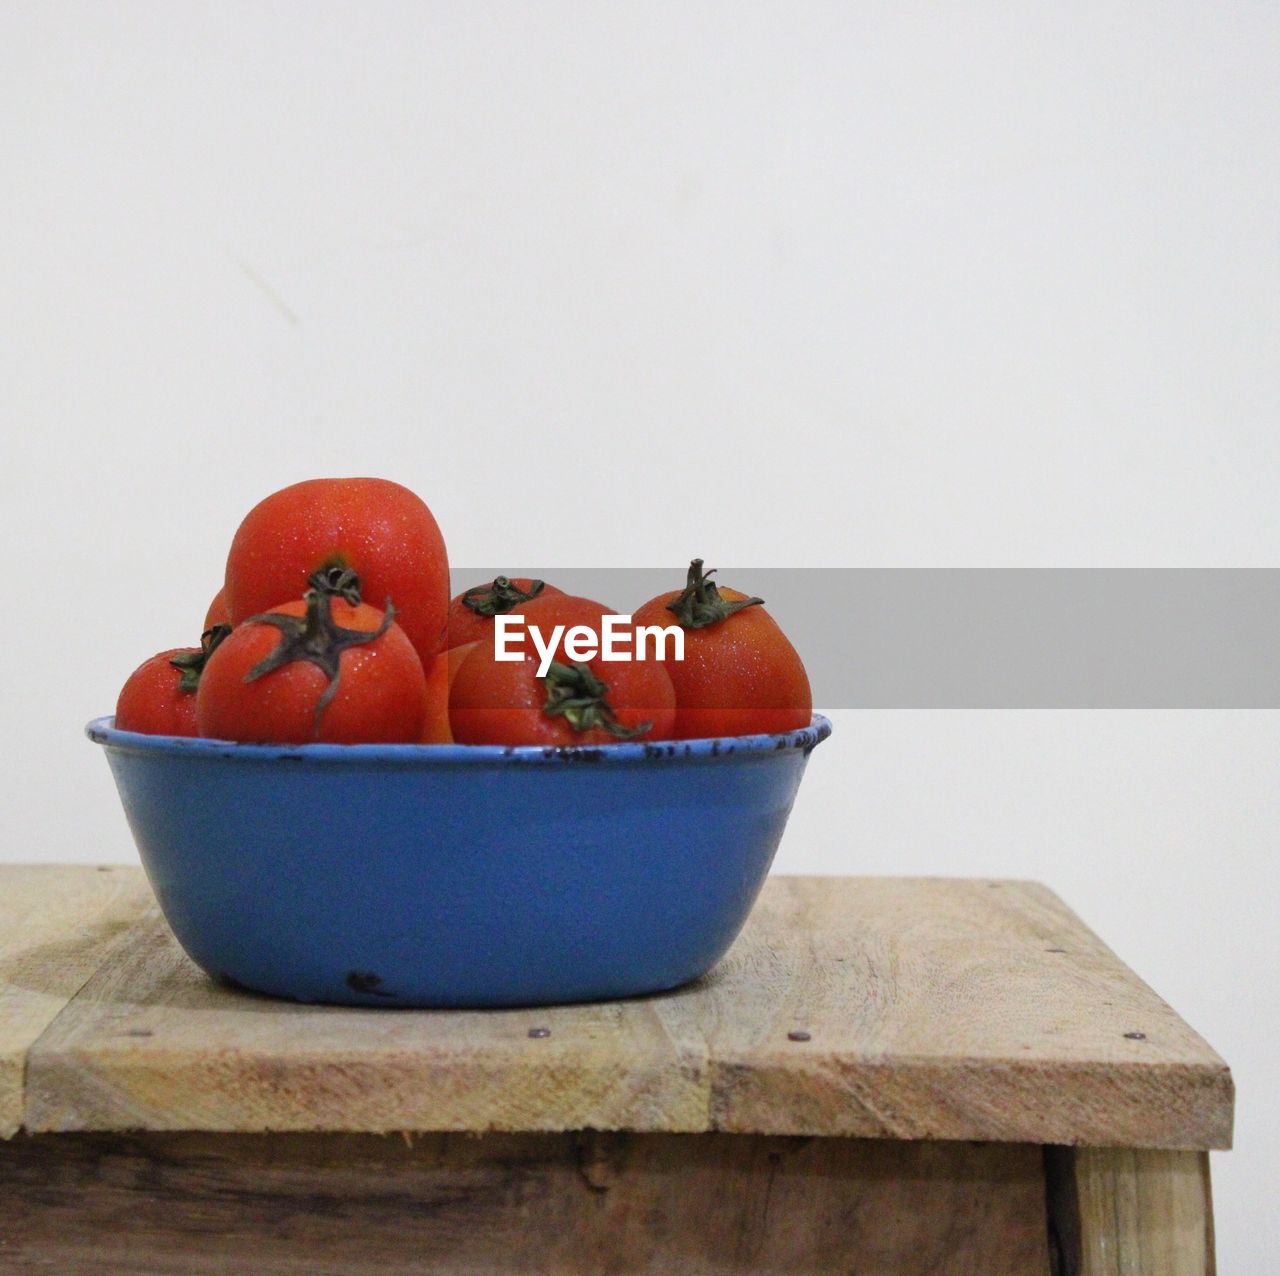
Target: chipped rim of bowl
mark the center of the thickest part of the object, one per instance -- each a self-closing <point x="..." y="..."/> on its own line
<point x="103" y="731"/>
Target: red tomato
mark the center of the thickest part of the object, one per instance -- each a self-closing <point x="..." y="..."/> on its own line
<point x="378" y="529"/>
<point x="579" y="702"/>
<point x="471" y="613"/>
<point x="316" y="670"/>
<point x="740" y="675"/>
<point x="159" y="697"/>
<point x="150" y="700"/>
<point x="217" y="613"/>
<point x="440" y="677"/>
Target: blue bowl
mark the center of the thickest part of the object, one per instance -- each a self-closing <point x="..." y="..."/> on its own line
<point x="456" y="875"/>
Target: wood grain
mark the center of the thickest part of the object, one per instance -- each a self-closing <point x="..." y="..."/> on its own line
<point x="1131" y="1212"/>
<point x="57" y="925"/>
<point x="153" y="1044"/>
<point x="356" y="1205"/>
<point x="943" y="1008"/>
<point x="935" y="1009"/>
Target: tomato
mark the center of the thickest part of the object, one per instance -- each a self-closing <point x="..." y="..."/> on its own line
<point x="471" y="613"/>
<point x="151" y="700"/>
<point x="378" y="529"/>
<point x="440" y="679"/>
<point x="217" y="613"/>
<point x="321" y="669"/>
<point x="159" y="697"/>
<point x="740" y="675"/>
<point x="578" y="702"/>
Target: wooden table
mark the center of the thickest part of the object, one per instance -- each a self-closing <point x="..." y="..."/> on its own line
<point x="884" y="1076"/>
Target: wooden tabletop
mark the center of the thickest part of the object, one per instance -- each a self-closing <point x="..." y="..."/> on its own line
<point x="921" y="1008"/>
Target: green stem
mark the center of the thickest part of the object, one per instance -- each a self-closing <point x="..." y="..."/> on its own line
<point x="700" y="604"/>
<point x="315" y="638"/>
<point x="192" y="663"/>
<point x="577" y="695"/>
<point x="339" y="580"/>
<point x="499" y="596"/>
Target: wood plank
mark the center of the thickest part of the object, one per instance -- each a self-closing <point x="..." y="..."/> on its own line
<point x="57" y="925"/>
<point x="941" y="1008"/>
<point x="1131" y="1212"/>
<point x="935" y="1009"/>
<point x="356" y="1205"/>
<point x="152" y="1043"/>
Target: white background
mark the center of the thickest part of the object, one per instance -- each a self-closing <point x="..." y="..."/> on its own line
<point x="802" y="284"/>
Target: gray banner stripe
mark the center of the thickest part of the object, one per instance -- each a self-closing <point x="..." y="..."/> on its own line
<point x="1017" y="638"/>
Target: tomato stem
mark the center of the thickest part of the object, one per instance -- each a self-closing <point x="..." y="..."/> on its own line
<point x="338" y="580"/>
<point x="700" y="604"/>
<point x="577" y="695"/>
<point x="500" y="596"/>
<point x="316" y="638"/>
<point x="192" y="663"/>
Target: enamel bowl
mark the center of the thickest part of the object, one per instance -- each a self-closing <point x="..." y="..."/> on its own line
<point x="456" y="875"/>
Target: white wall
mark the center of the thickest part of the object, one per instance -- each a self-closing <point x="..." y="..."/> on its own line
<point x="791" y="284"/>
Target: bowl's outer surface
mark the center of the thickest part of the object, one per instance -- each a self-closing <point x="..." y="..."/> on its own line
<point x="438" y="875"/>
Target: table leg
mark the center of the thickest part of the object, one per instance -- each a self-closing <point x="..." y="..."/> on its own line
<point x="1130" y="1212"/>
